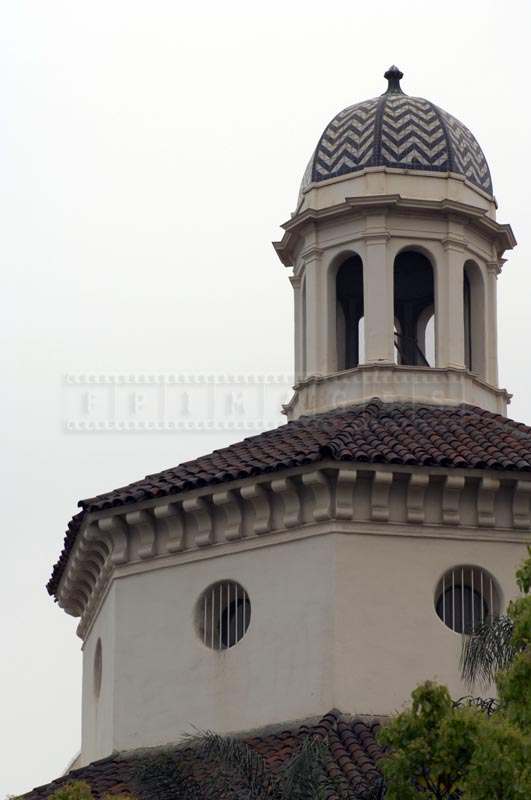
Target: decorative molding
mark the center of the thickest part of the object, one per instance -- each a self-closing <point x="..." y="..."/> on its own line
<point x="453" y="486"/>
<point x="486" y="498"/>
<point x="144" y="524"/>
<point x="346" y="481"/>
<point x="312" y="253"/>
<point x="115" y="528"/>
<point x="452" y="243"/>
<point x="198" y="511"/>
<point x="495" y="267"/>
<point x="290" y="507"/>
<point x="403" y="383"/>
<point x="258" y="498"/>
<point x="228" y="503"/>
<point x="416" y="490"/>
<point x="319" y="487"/>
<point x="287" y="491"/>
<point x="376" y="237"/>
<point x="170" y="520"/>
<point x="521" y="505"/>
<point x="381" y="487"/>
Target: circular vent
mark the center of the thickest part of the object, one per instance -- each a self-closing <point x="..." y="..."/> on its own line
<point x="465" y="597"/>
<point x="223" y="615"/>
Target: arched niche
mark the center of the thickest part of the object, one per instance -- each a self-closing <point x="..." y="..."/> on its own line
<point x="474" y="318"/>
<point x="414" y="304"/>
<point x="349" y="312"/>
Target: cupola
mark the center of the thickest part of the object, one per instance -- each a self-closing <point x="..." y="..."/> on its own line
<point x="395" y="250"/>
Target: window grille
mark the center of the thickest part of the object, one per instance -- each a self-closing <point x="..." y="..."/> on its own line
<point x="224" y="612"/>
<point x="466" y="597"/>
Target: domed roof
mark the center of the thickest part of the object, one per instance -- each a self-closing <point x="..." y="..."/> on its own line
<point x="395" y="130"/>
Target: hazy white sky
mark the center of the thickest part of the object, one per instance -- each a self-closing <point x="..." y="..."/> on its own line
<point x="148" y="155"/>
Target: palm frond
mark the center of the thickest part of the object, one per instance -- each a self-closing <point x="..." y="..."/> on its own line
<point x="245" y="767"/>
<point x="487" y="651"/>
<point x="304" y="776"/>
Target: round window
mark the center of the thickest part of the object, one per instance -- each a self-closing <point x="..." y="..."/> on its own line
<point x="223" y="615"/>
<point x="465" y="597"/>
<point x="98" y="668"/>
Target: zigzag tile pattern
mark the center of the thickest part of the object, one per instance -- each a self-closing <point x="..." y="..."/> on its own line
<point x="413" y="135"/>
<point x="348" y="142"/>
<point x="467" y="154"/>
<point x="398" y="131"/>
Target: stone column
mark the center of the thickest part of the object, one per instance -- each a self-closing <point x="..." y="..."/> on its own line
<point x="316" y="314"/>
<point x="378" y="300"/>
<point x="491" y="328"/>
<point x="449" y="308"/>
<point x="296" y="282"/>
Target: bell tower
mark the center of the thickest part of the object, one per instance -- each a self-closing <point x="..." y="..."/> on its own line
<point x="335" y="561"/>
<point x="395" y="250"/>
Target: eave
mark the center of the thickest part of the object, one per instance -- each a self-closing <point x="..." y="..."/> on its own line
<point x="501" y="233"/>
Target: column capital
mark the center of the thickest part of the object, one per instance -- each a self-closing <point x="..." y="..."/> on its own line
<point x="495" y="267"/>
<point x="295" y="281"/>
<point x="377" y="237"/>
<point x="312" y="253"/>
<point x="451" y="243"/>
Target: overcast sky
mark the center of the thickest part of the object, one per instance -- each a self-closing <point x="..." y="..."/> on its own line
<point x="148" y="155"/>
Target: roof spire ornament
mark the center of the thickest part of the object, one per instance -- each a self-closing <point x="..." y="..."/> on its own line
<point x="394" y="76"/>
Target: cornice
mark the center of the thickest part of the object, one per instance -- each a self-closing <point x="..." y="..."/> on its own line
<point x="242" y="515"/>
<point x="501" y="233"/>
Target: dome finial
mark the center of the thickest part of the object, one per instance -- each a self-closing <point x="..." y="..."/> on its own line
<point x="394" y="76"/>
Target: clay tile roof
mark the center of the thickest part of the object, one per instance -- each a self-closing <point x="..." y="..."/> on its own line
<point x="354" y="766"/>
<point x="376" y="432"/>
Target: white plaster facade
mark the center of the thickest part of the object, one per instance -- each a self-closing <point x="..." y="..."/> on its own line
<point x="340" y="561"/>
<point x="341" y="567"/>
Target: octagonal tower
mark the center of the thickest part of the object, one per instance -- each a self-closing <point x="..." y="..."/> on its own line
<point x="335" y="561"/>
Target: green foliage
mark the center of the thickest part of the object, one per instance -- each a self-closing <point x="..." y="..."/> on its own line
<point x="500" y="768"/>
<point x="74" y="790"/>
<point x="239" y="768"/>
<point x="118" y="796"/>
<point x="514" y="688"/>
<point x="431" y="746"/>
<point x="497" y="642"/>
<point x="242" y="774"/>
<point x="523" y="574"/>
<point x="443" y="751"/>
<point x="304" y="776"/>
<point x="489" y="650"/>
<point x="514" y="682"/>
<point x="162" y="777"/>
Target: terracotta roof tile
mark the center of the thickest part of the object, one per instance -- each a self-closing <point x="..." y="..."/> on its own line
<point x="354" y="766"/>
<point x="376" y="432"/>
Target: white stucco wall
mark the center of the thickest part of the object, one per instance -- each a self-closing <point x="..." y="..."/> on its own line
<point x="97" y="721"/>
<point x="341" y="620"/>
<point x="167" y="680"/>
<point x="388" y="635"/>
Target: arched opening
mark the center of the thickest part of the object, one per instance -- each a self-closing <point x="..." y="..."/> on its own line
<point x="349" y="313"/>
<point x="414" y="309"/>
<point x="474" y="317"/>
<point x="303" y="326"/>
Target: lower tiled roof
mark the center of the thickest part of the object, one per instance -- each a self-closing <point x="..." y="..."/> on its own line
<point x="351" y="761"/>
<point x="376" y="432"/>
